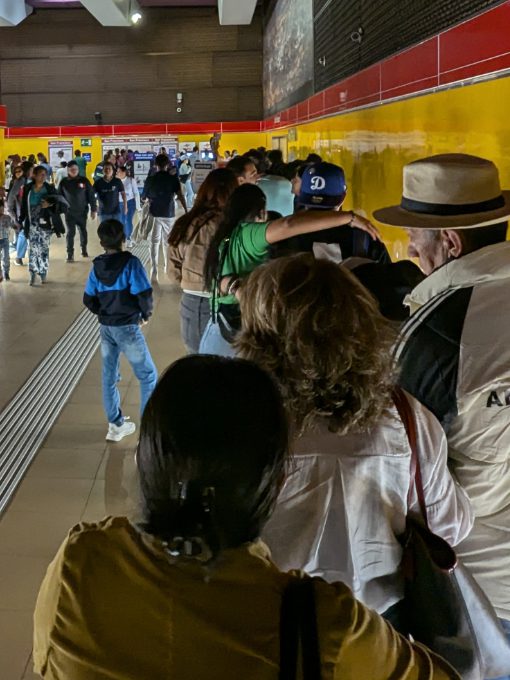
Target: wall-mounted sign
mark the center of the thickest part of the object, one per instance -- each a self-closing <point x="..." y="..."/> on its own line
<point x="200" y="171"/>
<point x="55" y="148"/>
<point x="85" y="142"/>
<point x="142" y="144"/>
<point x="141" y="167"/>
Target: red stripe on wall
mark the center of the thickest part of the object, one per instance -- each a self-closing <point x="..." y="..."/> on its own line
<point x="478" y="47"/>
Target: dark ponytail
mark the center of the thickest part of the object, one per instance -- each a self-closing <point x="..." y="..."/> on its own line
<point x="247" y="203"/>
<point x="206" y="487"/>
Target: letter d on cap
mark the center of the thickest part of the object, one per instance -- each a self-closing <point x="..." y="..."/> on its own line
<point x="318" y="183"/>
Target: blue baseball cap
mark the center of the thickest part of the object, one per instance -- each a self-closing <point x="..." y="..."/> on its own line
<point x="323" y="186"/>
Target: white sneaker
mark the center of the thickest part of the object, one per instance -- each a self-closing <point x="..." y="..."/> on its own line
<point x="118" y="432"/>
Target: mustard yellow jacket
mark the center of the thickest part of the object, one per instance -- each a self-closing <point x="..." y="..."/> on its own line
<point x="115" y="606"/>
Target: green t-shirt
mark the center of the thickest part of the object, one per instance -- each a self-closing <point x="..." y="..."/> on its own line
<point x="247" y="249"/>
<point x="82" y="165"/>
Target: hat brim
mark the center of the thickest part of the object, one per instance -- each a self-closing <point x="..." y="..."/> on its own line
<point x="395" y="216"/>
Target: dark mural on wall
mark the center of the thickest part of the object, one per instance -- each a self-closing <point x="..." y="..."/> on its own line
<point x="288" y="55"/>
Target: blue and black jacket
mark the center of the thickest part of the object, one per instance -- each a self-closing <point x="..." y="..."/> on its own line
<point x="118" y="290"/>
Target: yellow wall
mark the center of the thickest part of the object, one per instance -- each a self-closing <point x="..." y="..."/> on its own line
<point x="374" y="144"/>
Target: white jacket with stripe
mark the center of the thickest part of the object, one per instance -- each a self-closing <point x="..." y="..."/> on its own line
<point x="454" y="356"/>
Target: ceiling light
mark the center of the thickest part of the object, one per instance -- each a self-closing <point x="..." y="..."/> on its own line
<point x="135" y="17"/>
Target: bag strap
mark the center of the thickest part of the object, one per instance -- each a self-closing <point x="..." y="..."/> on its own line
<point x="298" y="623"/>
<point x="407" y="417"/>
<point x="217" y="280"/>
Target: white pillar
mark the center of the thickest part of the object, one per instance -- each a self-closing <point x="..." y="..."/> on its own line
<point x="13" y="12"/>
<point x="236" y="12"/>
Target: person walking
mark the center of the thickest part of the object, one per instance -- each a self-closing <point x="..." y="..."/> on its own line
<point x="184" y="172"/>
<point x="43" y="162"/>
<point x="187" y="249"/>
<point x="160" y="190"/>
<point x="78" y="192"/>
<point x="110" y="190"/>
<point x="14" y="199"/>
<point x="454" y="351"/>
<point x="36" y="224"/>
<point x="60" y="173"/>
<point x="6" y="224"/>
<point x="119" y="292"/>
<point x="190" y="592"/>
<point x="133" y="201"/>
<point x="82" y="163"/>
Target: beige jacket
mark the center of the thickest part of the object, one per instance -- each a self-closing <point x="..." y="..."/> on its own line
<point x="186" y="261"/>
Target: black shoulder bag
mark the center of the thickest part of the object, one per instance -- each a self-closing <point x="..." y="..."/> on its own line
<point x="445" y="607"/>
<point x="298" y="631"/>
<point x="227" y="316"/>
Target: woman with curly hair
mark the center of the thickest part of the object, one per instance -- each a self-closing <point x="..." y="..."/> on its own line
<point x="345" y="502"/>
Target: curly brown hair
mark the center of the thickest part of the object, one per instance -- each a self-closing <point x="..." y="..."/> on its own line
<point x="314" y="327"/>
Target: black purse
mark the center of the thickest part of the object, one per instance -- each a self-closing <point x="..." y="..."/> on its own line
<point x="227" y="316"/>
<point x="445" y="608"/>
<point x="299" y="639"/>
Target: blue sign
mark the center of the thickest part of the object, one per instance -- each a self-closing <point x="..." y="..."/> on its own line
<point x="147" y="156"/>
<point x="87" y="157"/>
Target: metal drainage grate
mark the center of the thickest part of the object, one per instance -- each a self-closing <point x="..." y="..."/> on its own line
<point x="46" y="393"/>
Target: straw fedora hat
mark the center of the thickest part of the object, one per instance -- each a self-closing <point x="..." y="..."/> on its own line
<point x="449" y="191"/>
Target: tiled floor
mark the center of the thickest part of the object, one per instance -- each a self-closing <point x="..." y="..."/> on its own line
<point x="76" y="475"/>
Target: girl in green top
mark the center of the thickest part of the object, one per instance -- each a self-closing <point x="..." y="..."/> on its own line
<point x="241" y="243"/>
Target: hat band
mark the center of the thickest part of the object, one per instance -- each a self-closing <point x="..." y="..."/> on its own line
<point x="447" y="209"/>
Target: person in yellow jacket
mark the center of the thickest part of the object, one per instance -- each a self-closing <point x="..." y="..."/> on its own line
<point x="191" y="592"/>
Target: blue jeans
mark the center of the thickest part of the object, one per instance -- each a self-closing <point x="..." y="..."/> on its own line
<point x="195" y="315"/>
<point x="130" y="341"/>
<point x="127" y="220"/>
<point x="21" y="245"/>
<point x="111" y="216"/>
<point x="4" y="250"/>
<point x="506" y="627"/>
<point x="213" y="342"/>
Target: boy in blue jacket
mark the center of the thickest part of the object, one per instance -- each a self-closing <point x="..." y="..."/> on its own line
<point x="119" y="292"/>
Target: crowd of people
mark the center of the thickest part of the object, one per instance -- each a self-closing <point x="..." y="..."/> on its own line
<point x="277" y="471"/>
<point x="66" y="198"/>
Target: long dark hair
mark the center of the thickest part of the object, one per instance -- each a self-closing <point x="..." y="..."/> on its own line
<point x="216" y="484"/>
<point x="248" y="202"/>
<point x="212" y="197"/>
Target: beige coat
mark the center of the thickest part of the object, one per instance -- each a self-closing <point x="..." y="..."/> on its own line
<point x="186" y="261"/>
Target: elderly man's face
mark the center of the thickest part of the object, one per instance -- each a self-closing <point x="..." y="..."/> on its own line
<point x="429" y="247"/>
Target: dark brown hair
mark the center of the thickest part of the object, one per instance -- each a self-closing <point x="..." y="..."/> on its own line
<point x="211" y="199"/>
<point x="201" y="476"/>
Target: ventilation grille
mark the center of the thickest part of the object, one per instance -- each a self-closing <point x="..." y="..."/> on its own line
<point x="389" y="26"/>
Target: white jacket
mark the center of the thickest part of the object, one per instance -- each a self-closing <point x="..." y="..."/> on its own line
<point x="455" y="358"/>
<point x="344" y="504"/>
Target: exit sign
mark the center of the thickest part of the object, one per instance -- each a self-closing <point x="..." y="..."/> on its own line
<point x="85" y="142"/>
